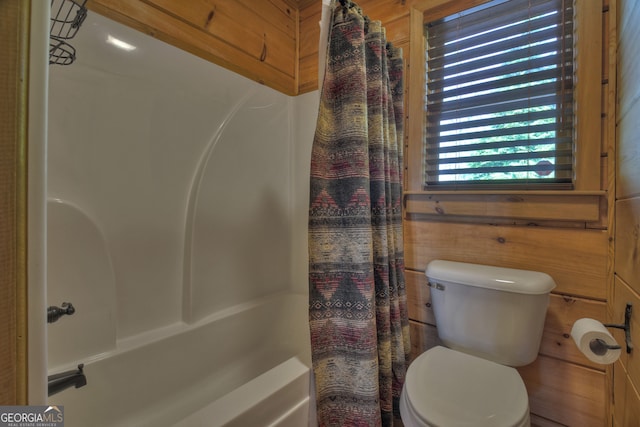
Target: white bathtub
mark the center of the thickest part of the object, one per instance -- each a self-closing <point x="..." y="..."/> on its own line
<point x="244" y="366"/>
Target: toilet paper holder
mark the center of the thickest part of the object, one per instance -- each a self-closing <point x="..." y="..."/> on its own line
<point x="600" y="347"/>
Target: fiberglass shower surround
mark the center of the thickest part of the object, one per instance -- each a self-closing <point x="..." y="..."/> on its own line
<point x="171" y="228"/>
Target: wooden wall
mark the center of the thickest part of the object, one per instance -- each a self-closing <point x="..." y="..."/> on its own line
<point x="257" y="39"/>
<point x="626" y="289"/>
<point x="14" y="27"/>
<point x="393" y="13"/>
<point x="566" y="236"/>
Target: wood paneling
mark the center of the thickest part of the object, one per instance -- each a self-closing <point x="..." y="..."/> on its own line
<point x="565" y="393"/>
<point x="544" y="207"/>
<point x="261" y="29"/>
<point x="255" y="39"/>
<point x="386" y="10"/>
<point x="627" y="238"/>
<point x="309" y="42"/>
<point x="14" y="45"/>
<point x="562" y="313"/>
<point x="419" y="297"/>
<point x="393" y="14"/>
<point x="537" y="421"/>
<point x="623" y="294"/>
<point x="632" y="405"/>
<point x="310" y="29"/>
<point x="423" y="337"/>
<point x="619" y="393"/>
<point x="398" y="30"/>
<point x="576" y="259"/>
<point x="588" y="16"/>
<point x="414" y="149"/>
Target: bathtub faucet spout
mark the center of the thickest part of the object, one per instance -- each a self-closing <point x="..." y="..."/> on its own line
<point x="64" y="380"/>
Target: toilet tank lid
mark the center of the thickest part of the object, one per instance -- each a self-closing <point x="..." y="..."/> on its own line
<point x="485" y="276"/>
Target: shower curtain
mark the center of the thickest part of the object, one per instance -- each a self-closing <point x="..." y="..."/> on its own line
<point x="357" y="299"/>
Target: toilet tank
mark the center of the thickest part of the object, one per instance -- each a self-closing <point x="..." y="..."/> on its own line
<point x="490" y="312"/>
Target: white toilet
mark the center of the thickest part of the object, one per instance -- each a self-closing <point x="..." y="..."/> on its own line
<point x="490" y="319"/>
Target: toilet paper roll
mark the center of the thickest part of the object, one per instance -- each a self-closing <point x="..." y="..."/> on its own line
<point x="586" y="332"/>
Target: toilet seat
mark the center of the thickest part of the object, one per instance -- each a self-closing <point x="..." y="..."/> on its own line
<point x="445" y="387"/>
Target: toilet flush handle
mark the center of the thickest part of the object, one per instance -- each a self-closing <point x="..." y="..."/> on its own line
<point x="435" y="285"/>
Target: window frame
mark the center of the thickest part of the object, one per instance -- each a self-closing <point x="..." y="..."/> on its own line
<point x="588" y="102"/>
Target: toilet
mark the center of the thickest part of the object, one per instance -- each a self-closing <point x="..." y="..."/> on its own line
<point x="490" y="320"/>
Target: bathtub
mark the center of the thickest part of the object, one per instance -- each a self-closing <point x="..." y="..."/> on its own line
<point x="243" y="366"/>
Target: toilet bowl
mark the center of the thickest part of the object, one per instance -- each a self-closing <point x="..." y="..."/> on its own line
<point x="447" y="388"/>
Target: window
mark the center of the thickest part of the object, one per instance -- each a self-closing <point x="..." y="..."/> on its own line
<point x="499" y="96"/>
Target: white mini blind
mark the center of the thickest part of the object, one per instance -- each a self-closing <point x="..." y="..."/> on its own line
<point x="499" y="95"/>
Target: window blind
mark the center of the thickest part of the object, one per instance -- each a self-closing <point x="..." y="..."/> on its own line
<point x="499" y="95"/>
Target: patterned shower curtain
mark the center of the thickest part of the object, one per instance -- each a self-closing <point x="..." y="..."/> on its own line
<point x="357" y="299"/>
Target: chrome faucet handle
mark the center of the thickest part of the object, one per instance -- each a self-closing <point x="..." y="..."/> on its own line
<point x="54" y="313"/>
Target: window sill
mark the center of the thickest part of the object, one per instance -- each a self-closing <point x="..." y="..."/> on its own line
<point x="542" y="205"/>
